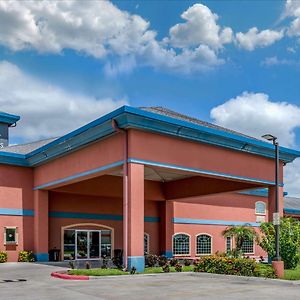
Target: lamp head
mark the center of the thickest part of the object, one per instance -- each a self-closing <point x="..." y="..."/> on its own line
<point x="269" y="137"/>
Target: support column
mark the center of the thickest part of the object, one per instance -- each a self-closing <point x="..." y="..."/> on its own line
<point x="166" y="228"/>
<point x="135" y="217"/>
<point x="41" y="225"/>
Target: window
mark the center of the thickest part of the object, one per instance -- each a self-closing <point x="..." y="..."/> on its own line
<point x="10" y="236"/>
<point x="260" y="208"/>
<point x="228" y="244"/>
<point x="203" y="244"/>
<point x="181" y="244"/>
<point x="146" y="243"/>
<point x="69" y="244"/>
<point x="248" y="247"/>
<point x="106" y="243"/>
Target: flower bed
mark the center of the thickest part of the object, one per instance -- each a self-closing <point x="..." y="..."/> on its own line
<point x="228" y="266"/>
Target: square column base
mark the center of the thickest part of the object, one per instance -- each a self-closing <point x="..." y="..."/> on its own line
<point x="41" y="257"/>
<point x="279" y="268"/>
<point x="167" y="254"/>
<point x="136" y="261"/>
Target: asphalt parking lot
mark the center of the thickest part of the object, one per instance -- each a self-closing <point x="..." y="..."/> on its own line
<point x="39" y="285"/>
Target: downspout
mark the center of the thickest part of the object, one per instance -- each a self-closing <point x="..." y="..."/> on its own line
<point x="125" y="190"/>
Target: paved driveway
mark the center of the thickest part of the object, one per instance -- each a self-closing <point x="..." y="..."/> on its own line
<point x="40" y="285"/>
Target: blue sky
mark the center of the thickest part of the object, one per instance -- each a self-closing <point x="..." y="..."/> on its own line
<point x="234" y="63"/>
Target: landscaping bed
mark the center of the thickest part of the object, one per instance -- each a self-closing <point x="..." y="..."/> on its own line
<point x="111" y="272"/>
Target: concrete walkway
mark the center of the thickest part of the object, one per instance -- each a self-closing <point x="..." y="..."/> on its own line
<point x="39" y="285"/>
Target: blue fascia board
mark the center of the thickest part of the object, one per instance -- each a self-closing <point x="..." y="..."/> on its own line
<point x="8" y="118"/>
<point x="13" y="159"/>
<point x="213" y="222"/>
<point x="259" y="192"/>
<point x="16" y="212"/>
<point x="291" y="211"/>
<point x="78" y="175"/>
<point x="200" y="171"/>
<point x="110" y="217"/>
<point x="130" y="117"/>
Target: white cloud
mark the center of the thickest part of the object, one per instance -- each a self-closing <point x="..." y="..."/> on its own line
<point x="253" y="39"/>
<point x="292" y="10"/>
<point x="102" y="30"/>
<point x="292" y="178"/>
<point x="200" y="28"/>
<point x="46" y="110"/>
<point x="275" y="61"/>
<point x="255" y="114"/>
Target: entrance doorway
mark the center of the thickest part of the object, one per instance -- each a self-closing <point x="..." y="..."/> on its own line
<point x="89" y="244"/>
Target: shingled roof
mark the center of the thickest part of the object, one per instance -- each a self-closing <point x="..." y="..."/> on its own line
<point x="173" y="114"/>
<point x="28" y="147"/>
<point x="292" y="203"/>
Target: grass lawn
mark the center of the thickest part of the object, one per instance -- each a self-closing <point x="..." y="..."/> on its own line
<point x="107" y="272"/>
<point x="292" y="274"/>
<point x="263" y="268"/>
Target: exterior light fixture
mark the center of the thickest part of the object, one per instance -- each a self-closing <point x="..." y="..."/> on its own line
<point x="276" y="215"/>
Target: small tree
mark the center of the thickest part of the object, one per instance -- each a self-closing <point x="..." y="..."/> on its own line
<point x="289" y="241"/>
<point x="241" y="234"/>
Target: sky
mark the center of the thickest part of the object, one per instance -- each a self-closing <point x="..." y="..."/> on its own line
<point x="233" y="63"/>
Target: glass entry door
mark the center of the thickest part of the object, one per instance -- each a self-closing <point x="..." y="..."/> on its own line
<point x="87" y="244"/>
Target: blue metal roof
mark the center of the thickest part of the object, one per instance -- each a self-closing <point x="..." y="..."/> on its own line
<point x="8" y="118"/>
<point x="130" y="117"/>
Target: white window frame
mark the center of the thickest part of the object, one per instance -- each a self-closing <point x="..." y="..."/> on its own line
<point x="231" y="243"/>
<point x="211" y="244"/>
<point x="182" y="255"/>
<point x="16" y="235"/>
<point x="251" y="253"/>
<point x="148" y="242"/>
<point x="260" y="213"/>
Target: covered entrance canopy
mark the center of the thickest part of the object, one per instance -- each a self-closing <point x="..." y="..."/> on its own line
<point x="139" y="155"/>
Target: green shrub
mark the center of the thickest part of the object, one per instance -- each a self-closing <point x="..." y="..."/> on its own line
<point x="162" y="260"/>
<point x="26" y="256"/>
<point x="3" y="256"/>
<point x="178" y="267"/>
<point x="173" y="262"/>
<point x="229" y="266"/>
<point x="166" y="268"/>
<point x="187" y="262"/>
<point x="289" y="241"/>
<point x="151" y="260"/>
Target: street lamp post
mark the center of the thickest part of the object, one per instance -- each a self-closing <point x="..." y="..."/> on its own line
<point x="276" y="215"/>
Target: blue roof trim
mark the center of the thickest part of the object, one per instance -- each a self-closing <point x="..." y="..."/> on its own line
<point x="130" y="117"/>
<point x="13" y="159"/>
<point x="79" y="175"/>
<point x="8" y="118"/>
<point x="213" y="222"/>
<point x="199" y="171"/>
<point x="259" y="193"/>
<point x="79" y="215"/>
<point x="16" y="212"/>
<point x="291" y="211"/>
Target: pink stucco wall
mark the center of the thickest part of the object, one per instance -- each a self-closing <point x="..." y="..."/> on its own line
<point x="16" y="193"/>
<point x="166" y="149"/>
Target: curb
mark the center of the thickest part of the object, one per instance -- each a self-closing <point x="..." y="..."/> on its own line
<point x="246" y="278"/>
<point x="69" y="277"/>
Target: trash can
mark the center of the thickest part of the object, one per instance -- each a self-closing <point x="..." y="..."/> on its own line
<point x="54" y="254"/>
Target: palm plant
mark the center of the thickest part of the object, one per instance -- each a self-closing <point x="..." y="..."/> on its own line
<point x="240" y="234"/>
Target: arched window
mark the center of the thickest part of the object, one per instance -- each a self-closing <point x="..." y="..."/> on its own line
<point x="181" y="244"/>
<point x="146" y="243"/>
<point x="203" y="244"/>
<point x="260" y="208"/>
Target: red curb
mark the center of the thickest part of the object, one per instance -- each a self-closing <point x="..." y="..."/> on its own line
<point x="69" y="277"/>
